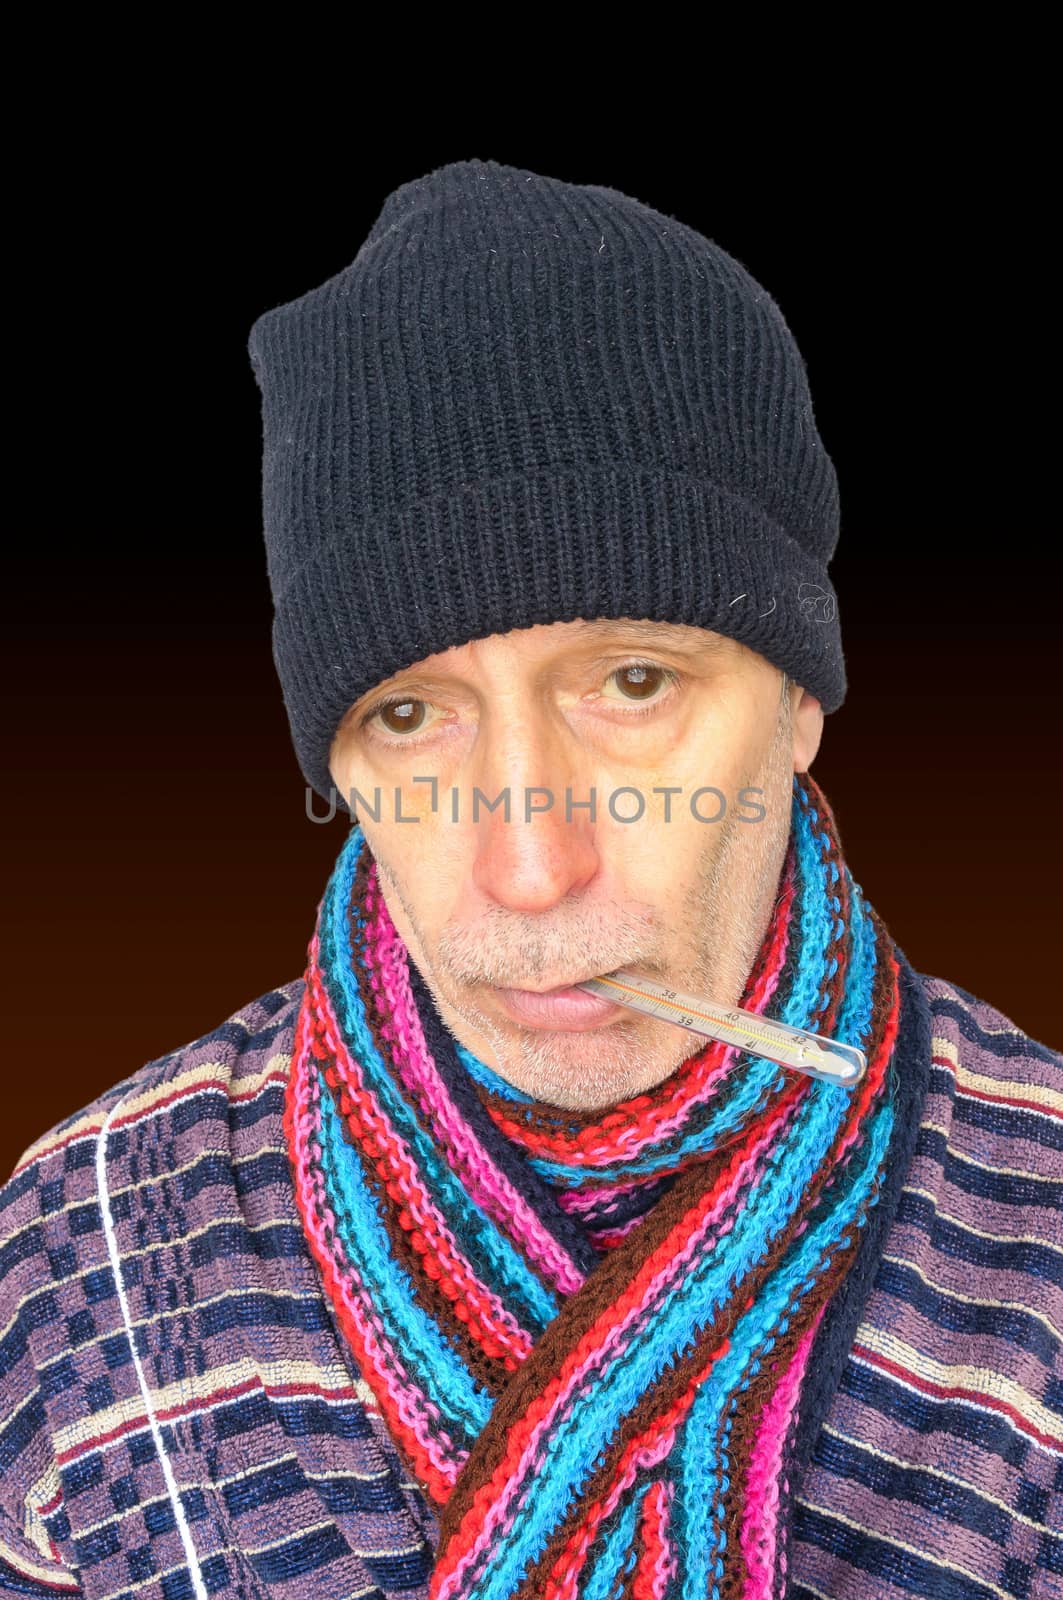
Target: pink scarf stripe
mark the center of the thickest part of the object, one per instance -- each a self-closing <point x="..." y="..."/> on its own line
<point x="759" y="1531"/>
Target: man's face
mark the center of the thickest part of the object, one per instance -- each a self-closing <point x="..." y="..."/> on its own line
<point x="551" y="716"/>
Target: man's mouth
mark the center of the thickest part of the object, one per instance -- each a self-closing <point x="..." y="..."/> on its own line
<point x="564" y="1006"/>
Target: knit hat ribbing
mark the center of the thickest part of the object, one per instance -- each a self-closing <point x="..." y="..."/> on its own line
<point x="529" y="401"/>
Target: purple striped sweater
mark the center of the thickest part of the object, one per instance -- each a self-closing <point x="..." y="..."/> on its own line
<point x="180" y="1416"/>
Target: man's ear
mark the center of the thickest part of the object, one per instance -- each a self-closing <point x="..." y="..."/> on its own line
<point x="807" y="722"/>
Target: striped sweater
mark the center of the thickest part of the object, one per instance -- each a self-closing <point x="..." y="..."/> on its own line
<point x="180" y="1415"/>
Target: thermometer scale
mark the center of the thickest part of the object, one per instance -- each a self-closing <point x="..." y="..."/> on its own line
<point x="780" y="1042"/>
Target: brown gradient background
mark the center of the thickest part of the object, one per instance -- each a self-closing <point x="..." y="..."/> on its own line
<point x="161" y="870"/>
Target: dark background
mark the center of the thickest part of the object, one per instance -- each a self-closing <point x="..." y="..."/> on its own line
<point x="162" y="871"/>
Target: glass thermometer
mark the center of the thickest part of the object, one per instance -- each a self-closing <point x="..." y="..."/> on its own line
<point x="828" y="1059"/>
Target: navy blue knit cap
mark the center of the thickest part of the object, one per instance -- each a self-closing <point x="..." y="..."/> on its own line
<point x="529" y="401"/>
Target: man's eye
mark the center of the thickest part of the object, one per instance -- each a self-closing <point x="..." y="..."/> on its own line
<point x="400" y="715"/>
<point x="644" y="679"/>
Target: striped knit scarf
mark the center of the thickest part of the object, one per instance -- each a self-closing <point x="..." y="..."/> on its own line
<point x="588" y="1333"/>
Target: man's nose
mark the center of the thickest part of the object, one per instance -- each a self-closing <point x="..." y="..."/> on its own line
<point x="547" y="849"/>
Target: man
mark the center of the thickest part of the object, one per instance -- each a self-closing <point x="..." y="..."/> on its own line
<point x="430" y="1272"/>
